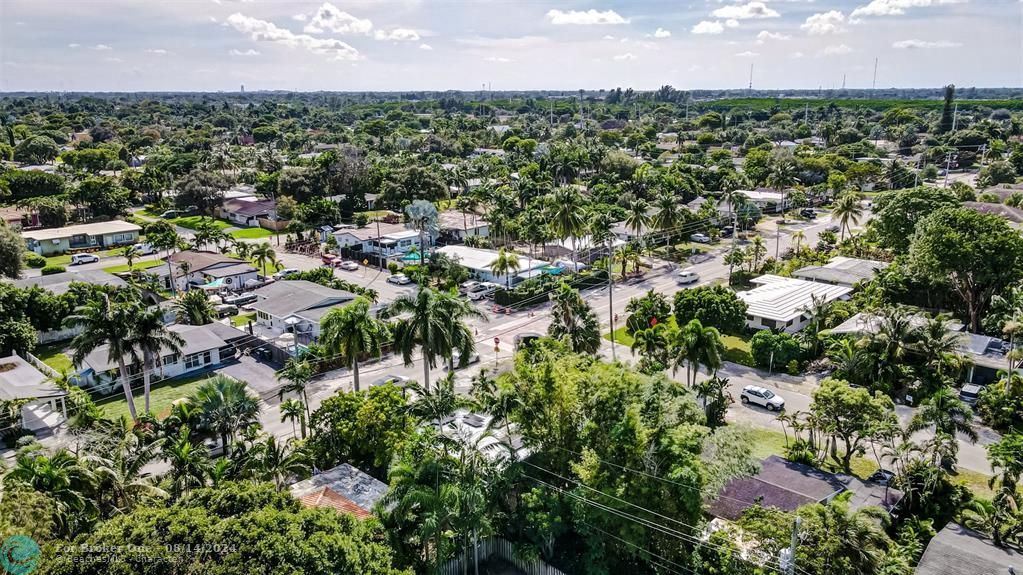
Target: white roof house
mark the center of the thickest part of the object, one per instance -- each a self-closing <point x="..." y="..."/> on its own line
<point x="101" y="228"/>
<point x="479" y="262"/>
<point x="783" y="303"/>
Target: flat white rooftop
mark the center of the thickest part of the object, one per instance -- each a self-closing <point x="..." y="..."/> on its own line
<point x="783" y="299"/>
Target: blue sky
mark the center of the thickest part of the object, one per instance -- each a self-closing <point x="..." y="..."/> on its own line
<point x="512" y="44"/>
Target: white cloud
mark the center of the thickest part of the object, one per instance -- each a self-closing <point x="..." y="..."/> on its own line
<point x="796" y="54"/>
<point x="159" y="51"/>
<point x="263" y="31"/>
<point x="300" y="17"/>
<point x="625" y="57"/>
<point x="508" y="43"/>
<point x="835" y="50"/>
<point x="745" y="11"/>
<point x="397" y="35"/>
<point x="764" y="36"/>
<point x="708" y="27"/>
<point x="243" y="53"/>
<point x="101" y="47"/>
<point x="662" y="33"/>
<point x="497" y="59"/>
<point x="72" y="46"/>
<point x="585" y="17"/>
<point x="913" y="44"/>
<point x="425" y="47"/>
<point x="113" y="60"/>
<point x="748" y="54"/>
<point x="894" y="7"/>
<point x="610" y="37"/>
<point x="333" y="19"/>
<point x="731" y="23"/>
<point x="824" y="23"/>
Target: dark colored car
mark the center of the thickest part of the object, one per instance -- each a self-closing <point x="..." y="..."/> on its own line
<point x="808" y="213"/>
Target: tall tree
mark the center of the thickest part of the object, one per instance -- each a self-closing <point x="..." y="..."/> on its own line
<point x="297" y="372"/>
<point x="422" y="216"/>
<point x="150" y="336"/>
<point x="225" y="407"/>
<point x="12" y="249"/>
<point x="264" y="254"/>
<point x="847" y="209"/>
<point x="948" y="110"/>
<point x="103" y="322"/>
<point x="949" y="416"/>
<point x="506" y="263"/>
<point x="352" y="333"/>
<point x="567" y="216"/>
<point x="573" y="319"/>
<point x="194" y="308"/>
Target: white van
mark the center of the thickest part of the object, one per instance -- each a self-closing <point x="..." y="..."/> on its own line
<point x="688" y="276"/>
<point x="481" y="291"/>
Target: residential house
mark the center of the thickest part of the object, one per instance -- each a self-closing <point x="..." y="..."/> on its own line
<point x="1010" y="214"/>
<point x="381" y="239"/>
<point x="841" y="271"/>
<point x="498" y="442"/>
<point x="956" y="550"/>
<point x="296" y="306"/>
<point x="787" y="486"/>
<point x="20" y="380"/>
<point x="206" y="268"/>
<point x="203" y="348"/>
<point x="344" y="488"/>
<point x="784" y="303"/>
<point x="18" y="218"/>
<point x="584" y="248"/>
<point x="456" y="225"/>
<point x="766" y="199"/>
<point x="987" y="355"/>
<point x="247" y="213"/>
<point x="55" y="241"/>
<point x="479" y="263"/>
<point x="58" y="284"/>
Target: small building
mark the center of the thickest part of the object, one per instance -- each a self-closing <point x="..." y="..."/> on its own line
<point x="55" y="241"/>
<point x="1008" y="213"/>
<point x="787" y="486"/>
<point x="497" y="442"/>
<point x="296" y="306"/>
<point x="384" y="240"/>
<point x="766" y="199"/>
<point x="58" y="284"/>
<point x="203" y="348"/>
<point x="205" y="268"/>
<point x="956" y="550"/>
<point x="247" y="213"/>
<point x="841" y="271"/>
<point x="344" y="488"/>
<point x="784" y="303"/>
<point x="20" y="380"/>
<point x="585" y="250"/>
<point x="19" y="218"/>
<point x="457" y="225"/>
<point x="479" y="263"/>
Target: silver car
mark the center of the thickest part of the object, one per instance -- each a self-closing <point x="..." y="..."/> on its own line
<point x="763" y="397"/>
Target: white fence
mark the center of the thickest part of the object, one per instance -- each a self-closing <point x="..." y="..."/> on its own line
<point x="41" y="366"/>
<point x="495" y="546"/>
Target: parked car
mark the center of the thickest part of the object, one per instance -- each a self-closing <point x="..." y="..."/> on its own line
<point x="808" y="213"/>
<point x="700" y="238"/>
<point x="241" y="299"/>
<point x="464" y="287"/>
<point x="226" y="310"/>
<point x="144" y="249"/>
<point x="833" y="229"/>
<point x="688" y="276"/>
<point x="349" y="265"/>
<point x="481" y="291"/>
<point x="285" y="273"/>
<point x="763" y="397"/>
<point x="170" y="214"/>
<point x="727" y="231"/>
<point x="398" y="380"/>
<point x="525" y="338"/>
<point x="969" y="393"/>
<point x="399" y="279"/>
<point x="79" y="259"/>
<point x="456" y="359"/>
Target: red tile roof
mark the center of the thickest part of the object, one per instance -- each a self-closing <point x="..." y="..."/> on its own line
<point x="327" y="497"/>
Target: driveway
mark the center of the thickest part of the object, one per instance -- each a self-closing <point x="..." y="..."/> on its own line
<point x="261" y="377"/>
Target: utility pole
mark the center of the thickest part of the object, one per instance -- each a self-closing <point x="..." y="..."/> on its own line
<point x="611" y="294"/>
<point x="750" y="79"/>
<point x="955" y="116"/>
<point x="788" y="556"/>
<point x="873" y="84"/>
<point x="948" y="166"/>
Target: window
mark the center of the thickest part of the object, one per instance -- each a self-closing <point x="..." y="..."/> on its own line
<point x="192" y="361"/>
<point x="170" y="359"/>
<point x="768" y="323"/>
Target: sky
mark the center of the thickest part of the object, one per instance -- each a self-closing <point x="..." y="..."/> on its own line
<point x="354" y="45"/>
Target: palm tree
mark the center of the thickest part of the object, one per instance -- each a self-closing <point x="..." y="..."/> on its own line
<point x="694" y="345"/>
<point x="798" y="237"/>
<point x="351" y="333"/>
<point x="129" y="253"/>
<point x="293" y="410"/>
<point x="264" y="254"/>
<point x="226" y="407"/>
<point x="939" y="345"/>
<point x="194" y="308"/>
<point x="432" y="406"/>
<point x="104" y="323"/>
<point x="149" y="335"/>
<point x="669" y="214"/>
<point x="757" y="251"/>
<point x="433" y="322"/>
<point x="61" y="477"/>
<point x="506" y="263"/>
<point x="567" y="216"/>
<point x="272" y="461"/>
<point x="188" y="464"/>
<point x="651" y="343"/>
<point x="422" y="216"/>
<point x="711" y="393"/>
<point x="948" y="415"/>
<point x="847" y="209"/>
<point x="636" y="217"/>
<point x="781" y="177"/>
<point x="297" y="372"/>
<point x="573" y="319"/>
<point x="119" y="470"/>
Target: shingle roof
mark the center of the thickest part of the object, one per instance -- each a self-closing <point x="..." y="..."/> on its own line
<point x="783" y="299"/>
<point x="327" y="497"/>
<point x="781" y="484"/>
<point x="249" y="207"/>
<point x="369" y="231"/>
<point x="199" y="261"/>
<point x="841" y="270"/>
<point x="197" y="338"/>
<point x="346" y="481"/>
<point x="61" y="283"/>
<point x="291" y="296"/>
<point x="956" y="550"/>
<point x="228" y="271"/>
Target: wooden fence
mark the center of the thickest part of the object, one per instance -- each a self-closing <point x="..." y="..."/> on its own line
<point x="497" y="547"/>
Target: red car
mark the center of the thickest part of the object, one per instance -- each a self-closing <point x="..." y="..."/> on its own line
<point x="329" y="259"/>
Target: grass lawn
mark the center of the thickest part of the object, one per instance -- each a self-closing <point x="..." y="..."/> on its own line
<point x="376" y="213"/>
<point x="65" y="259"/>
<point x="161" y="396"/>
<point x="251" y="233"/>
<point x="138" y="266"/>
<point x="737" y="349"/>
<point x="242" y="319"/>
<point x="191" y="222"/>
<point x="619" y="336"/>
<point x="54" y="356"/>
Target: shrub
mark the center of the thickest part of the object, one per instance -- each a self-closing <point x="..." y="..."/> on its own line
<point x="772" y="350"/>
<point x="34" y="260"/>
<point x="50" y="270"/>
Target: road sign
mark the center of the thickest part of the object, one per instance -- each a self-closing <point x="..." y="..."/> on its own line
<point x="497" y="341"/>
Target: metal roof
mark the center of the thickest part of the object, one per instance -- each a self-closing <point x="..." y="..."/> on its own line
<point x="783" y="299"/>
<point x="97" y="229"/>
<point x="21" y="380"/>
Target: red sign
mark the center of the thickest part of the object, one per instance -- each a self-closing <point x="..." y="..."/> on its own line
<point x="653" y="321"/>
<point x="497" y="341"/>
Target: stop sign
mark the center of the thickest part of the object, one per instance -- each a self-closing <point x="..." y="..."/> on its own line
<point x="653" y="321"/>
<point x="497" y="341"/>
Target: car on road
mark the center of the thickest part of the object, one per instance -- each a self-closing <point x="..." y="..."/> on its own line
<point x="970" y="393"/>
<point x="241" y="299"/>
<point x="464" y="287"/>
<point x="763" y="397"/>
<point x="700" y="238"/>
<point x="399" y="279"/>
<point x="79" y="259"/>
<point x="170" y="214"/>
<point x="286" y="272"/>
<point x="481" y="291"/>
<point x="144" y="249"/>
<point x="398" y="380"/>
<point x="809" y="213"/>
<point x="525" y="338"/>
<point x="349" y="266"/>
<point x="727" y="231"/>
<point x="456" y="359"/>
<point x="833" y="229"/>
<point x="687" y="276"/>
<point x="329" y="259"/>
